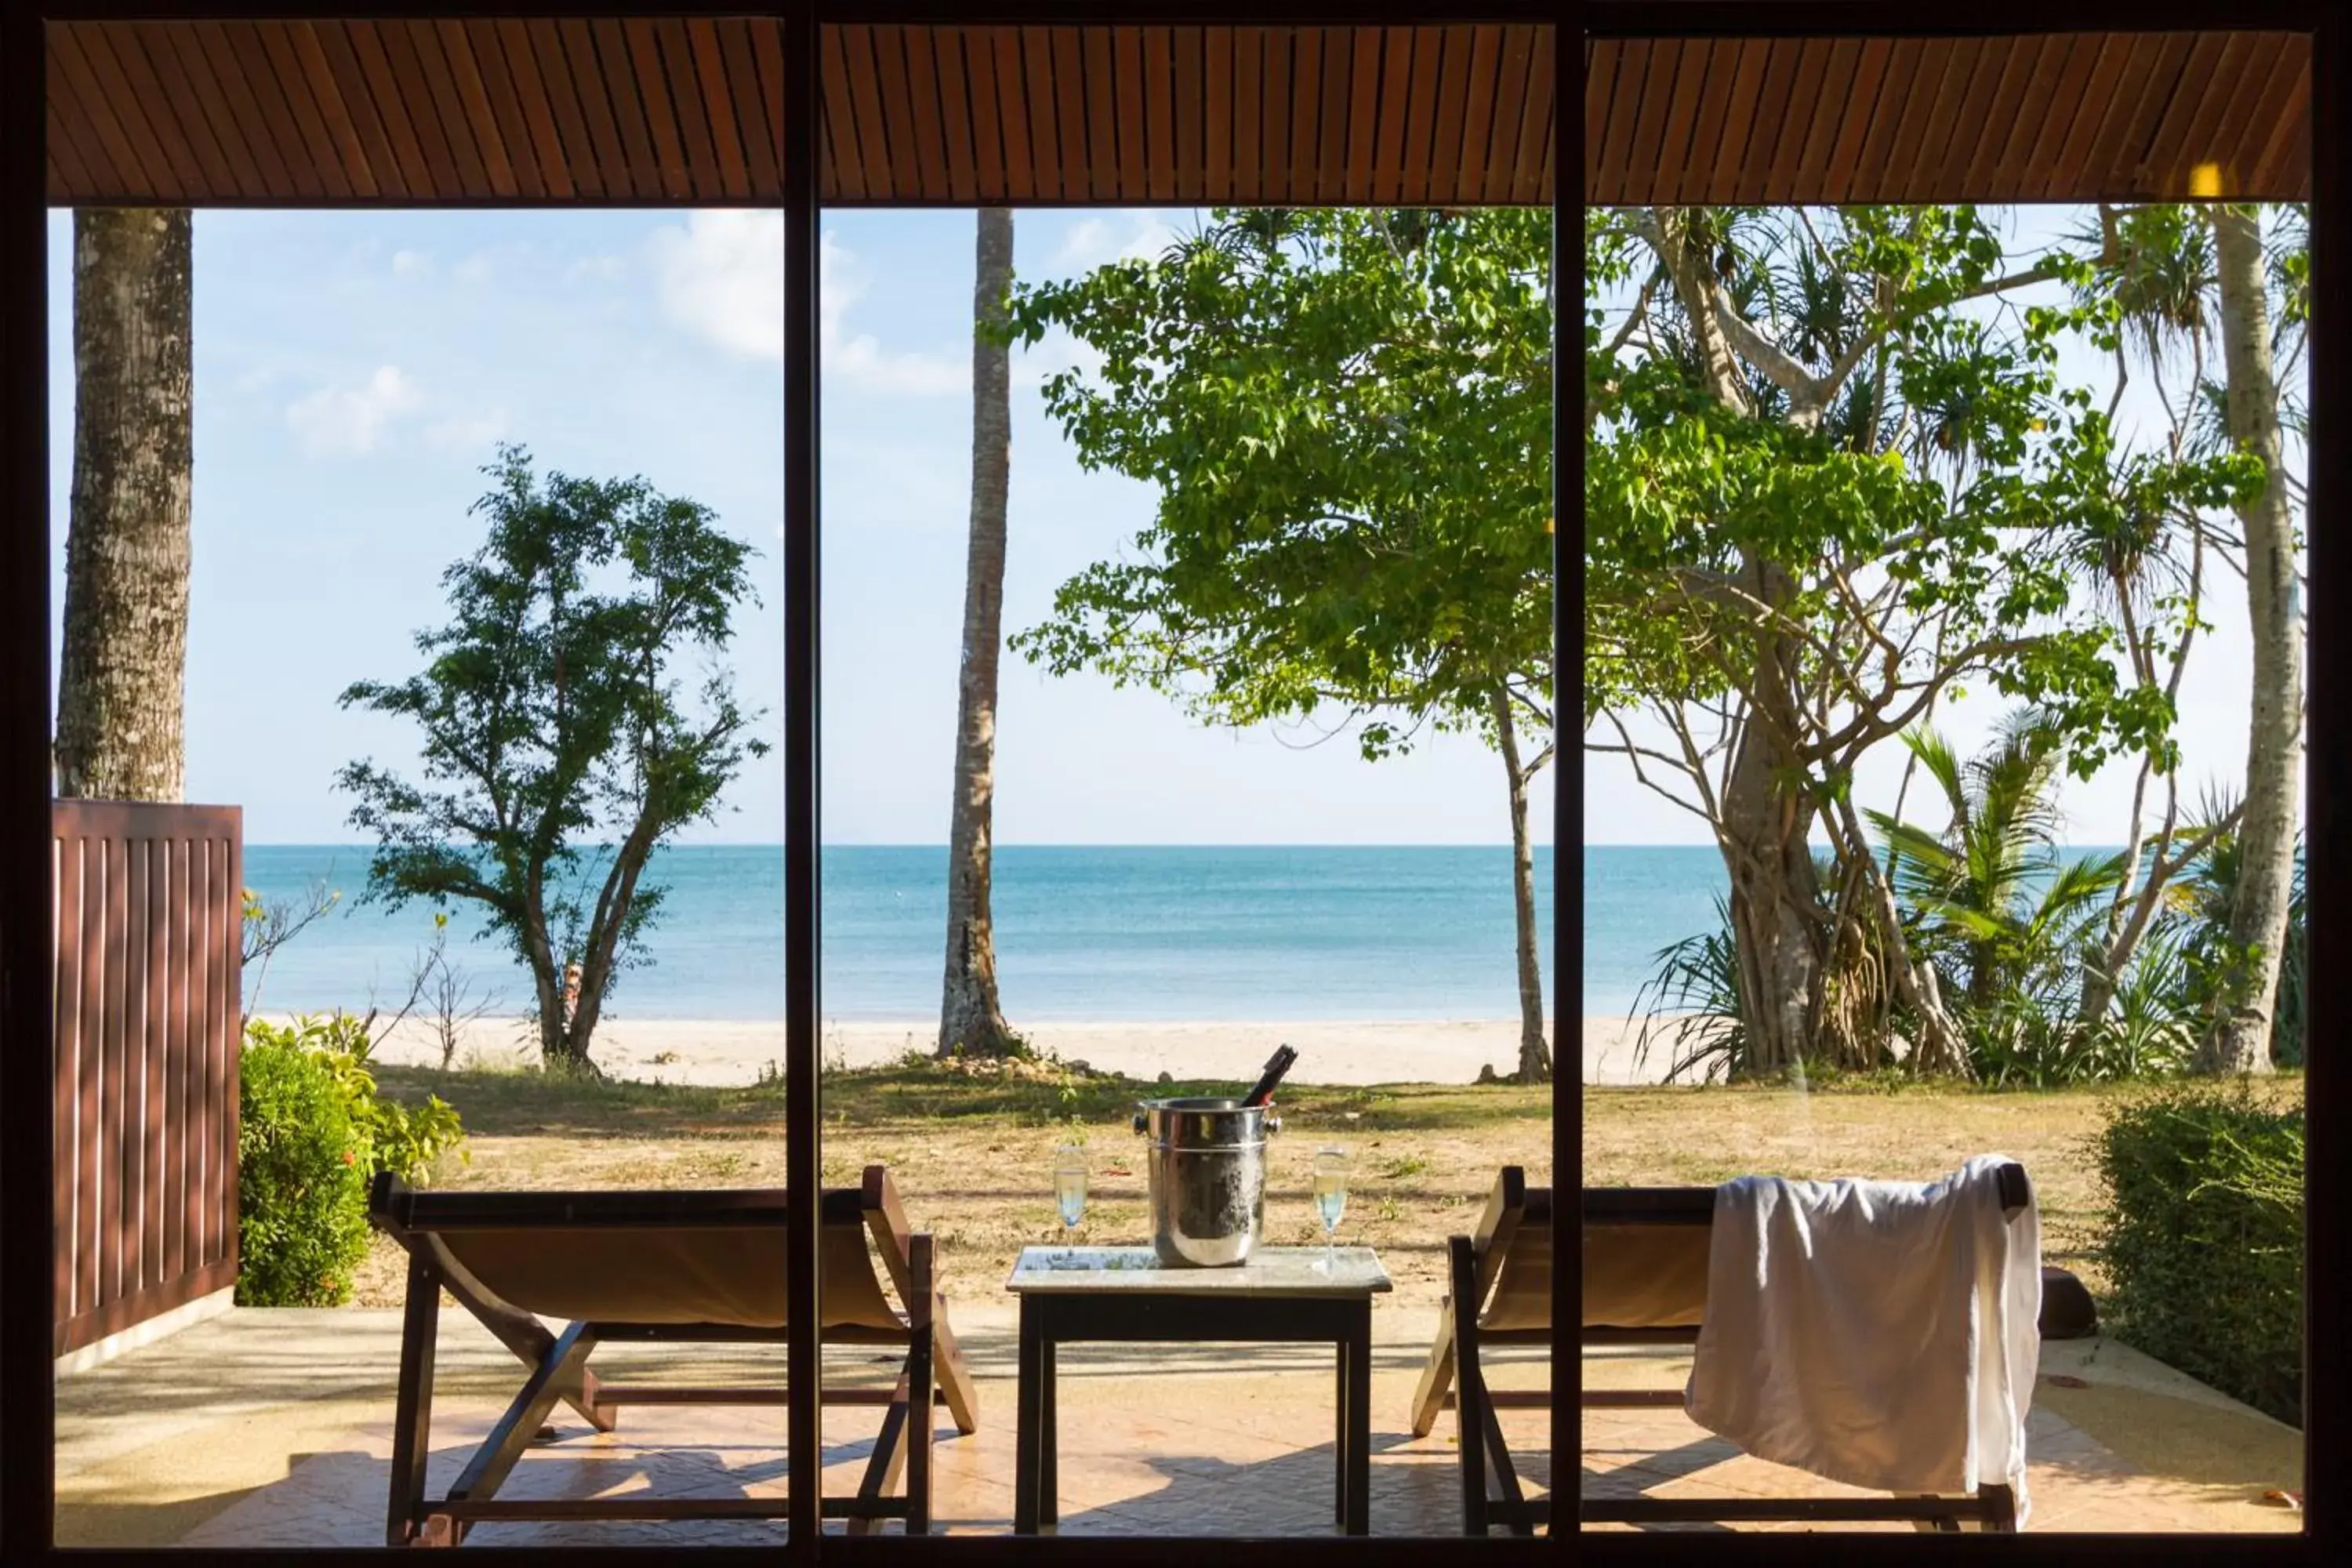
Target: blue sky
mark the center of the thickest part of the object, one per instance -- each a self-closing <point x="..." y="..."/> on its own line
<point x="354" y="371"/>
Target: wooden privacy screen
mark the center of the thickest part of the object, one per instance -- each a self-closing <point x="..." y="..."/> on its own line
<point x="149" y="904"/>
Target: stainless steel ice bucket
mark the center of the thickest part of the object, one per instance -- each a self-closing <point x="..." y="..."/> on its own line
<point x="1208" y="1178"/>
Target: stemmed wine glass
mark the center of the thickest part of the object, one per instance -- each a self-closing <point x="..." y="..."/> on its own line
<point x="1070" y="1187"/>
<point x="1330" y="1199"/>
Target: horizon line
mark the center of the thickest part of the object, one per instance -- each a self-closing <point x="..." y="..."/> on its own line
<point x="779" y="844"/>
<point x="1023" y="844"/>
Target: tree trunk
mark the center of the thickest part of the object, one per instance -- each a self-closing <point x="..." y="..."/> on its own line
<point x="2240" y="1039"/>
<point x="123" y="666"/>
<point x="1774" y="889"/>
<point x="1940" y="1048"/>
<point x="1535" y="1057"/>
<point x="1763" y="832"/>
<point x="971" y="1016"/>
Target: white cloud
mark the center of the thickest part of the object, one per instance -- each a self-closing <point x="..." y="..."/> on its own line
<point x="477" y="267"/>
<point x="339" y="421"/>
<point x="410" y="263"/>
<point x="467" y="431"/>
<point x="1125" y="236"/>
<point x="721" y="277"/>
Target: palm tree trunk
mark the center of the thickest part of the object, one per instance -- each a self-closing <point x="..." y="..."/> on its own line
<point x="971" y="1016"/>
<point x="123" y="666"/>
<point x="1535" y="1057"/>
<point x="2239" y="1038"/>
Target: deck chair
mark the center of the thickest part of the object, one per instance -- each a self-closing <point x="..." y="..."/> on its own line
<point x="1645" y="1265"/>
<point x="704" y="1266"/>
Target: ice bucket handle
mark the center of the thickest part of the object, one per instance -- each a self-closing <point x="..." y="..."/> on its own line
<point x="1143" y="1124"/>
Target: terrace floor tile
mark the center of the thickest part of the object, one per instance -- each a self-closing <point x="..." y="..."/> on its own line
<point x="273" y="1429"/>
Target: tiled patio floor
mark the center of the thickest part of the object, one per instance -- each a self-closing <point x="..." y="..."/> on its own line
<point x="274" y="1428"/>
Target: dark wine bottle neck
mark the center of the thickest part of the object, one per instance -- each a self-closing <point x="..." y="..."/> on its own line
<point x="1273" y="1071"/>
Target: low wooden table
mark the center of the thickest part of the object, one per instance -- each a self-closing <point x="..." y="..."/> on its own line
<point x="1281" y="1296"/>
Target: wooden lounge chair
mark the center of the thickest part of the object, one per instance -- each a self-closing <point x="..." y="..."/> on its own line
<point x="1645" y="1264"/>
<point x="704" y="1266"/>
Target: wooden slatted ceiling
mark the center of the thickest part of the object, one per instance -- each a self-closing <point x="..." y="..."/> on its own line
<point x="652" y="112"/>
<point x="689" y="111"/>
<point x="2047" y="117"/>
<point x="1122" y="115"/>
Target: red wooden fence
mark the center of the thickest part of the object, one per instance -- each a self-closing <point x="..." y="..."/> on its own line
<point x="149" y="904"/>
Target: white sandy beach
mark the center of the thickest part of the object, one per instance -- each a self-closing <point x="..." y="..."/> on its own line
<point x="732" y="1051"/>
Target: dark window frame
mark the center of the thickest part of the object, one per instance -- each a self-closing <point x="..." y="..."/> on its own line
<point x="26" y="1405"/>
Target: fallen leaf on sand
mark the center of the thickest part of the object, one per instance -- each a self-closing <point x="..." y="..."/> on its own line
<point x="2287" y="1499"/>
<point x="2062" y="1380"/>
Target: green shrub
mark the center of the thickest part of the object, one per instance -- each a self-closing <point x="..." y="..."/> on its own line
<point x="407" y="1140"/>
<point x="314" y="1130"/>
<point x="302" y="1173"/>
<point x="2205" y="1237"/>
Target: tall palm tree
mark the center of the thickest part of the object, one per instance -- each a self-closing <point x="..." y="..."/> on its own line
<point x="972" y="1019"/>
<point x="123" y="665"/>
<point x="1991" y="895"/>
<point x="2239" y="1038"/>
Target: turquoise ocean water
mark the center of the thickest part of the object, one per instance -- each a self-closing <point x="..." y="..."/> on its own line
<point x="1270" y="933"/>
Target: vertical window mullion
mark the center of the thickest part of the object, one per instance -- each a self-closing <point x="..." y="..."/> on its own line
<point x="803" y="1161"/>
<point x="1568" y="774"/>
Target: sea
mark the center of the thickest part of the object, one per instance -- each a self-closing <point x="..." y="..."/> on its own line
<point x="1257" y="933"/>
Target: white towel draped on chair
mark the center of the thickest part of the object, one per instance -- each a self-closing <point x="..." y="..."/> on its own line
<point x="1878" y="1333"/>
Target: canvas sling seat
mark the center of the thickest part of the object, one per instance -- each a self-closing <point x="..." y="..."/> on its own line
<point x="700" y="1267"/>
<point x="1646" y="1270"/>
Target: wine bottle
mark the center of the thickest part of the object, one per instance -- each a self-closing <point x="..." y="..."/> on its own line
<point x="1279" y="1064"/>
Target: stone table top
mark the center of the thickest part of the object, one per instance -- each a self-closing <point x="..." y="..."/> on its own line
<point x="1138" y="1271"/>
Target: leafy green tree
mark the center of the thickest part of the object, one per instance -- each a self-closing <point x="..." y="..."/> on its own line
<point x="2144" y="565"/>
<point x="561" y="746"/>
<point x="1824" y="489"/>
<point x="1347" y="417"/>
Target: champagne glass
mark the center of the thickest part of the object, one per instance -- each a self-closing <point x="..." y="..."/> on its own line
<point x="1330" y="1198"/>
<point x="1070" y="1187"/>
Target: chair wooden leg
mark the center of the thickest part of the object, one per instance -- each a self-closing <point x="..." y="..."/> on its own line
<point x="1469" y="1388"/>
<point x="557" y="1377"/>
<point x="918" y="1389"/>
<point x="412" y="1424"/>
<point x="949" y="1370"/>
<point x="884" y="1466"/>
<point x="1437" y="1376"/>
<point x="1512" y="1503"/>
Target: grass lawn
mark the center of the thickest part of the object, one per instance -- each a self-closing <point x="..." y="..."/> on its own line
<point x="973" y="1156"/>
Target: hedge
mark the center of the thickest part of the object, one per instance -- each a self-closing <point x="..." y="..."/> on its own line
<point x="2204" y="1245"/>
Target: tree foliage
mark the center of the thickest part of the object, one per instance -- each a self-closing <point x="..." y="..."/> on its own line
<point x="1994" y="897"/>
<point x="1833" y="477"/>
<point x="560" y="744"/>
<point x="1346" y="415"/>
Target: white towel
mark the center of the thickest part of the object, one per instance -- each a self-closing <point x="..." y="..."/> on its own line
<point x="1878" y="1333"/>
